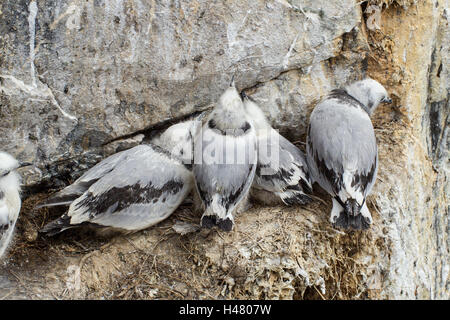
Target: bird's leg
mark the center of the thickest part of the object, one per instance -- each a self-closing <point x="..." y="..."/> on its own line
<point x="366" y="213"/>
<point x="244" y="205"/>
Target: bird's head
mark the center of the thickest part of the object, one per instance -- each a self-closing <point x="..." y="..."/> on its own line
<point x="254" y="112"/>
<point x="230" y="99"/>
<point x="370" y="93"/>
<point x="8" y="166"/>
<point x="178" y="139"/>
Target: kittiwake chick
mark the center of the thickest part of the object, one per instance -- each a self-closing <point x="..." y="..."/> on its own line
<point x="226" y="148"/>
<point x="178" y="139"/>
<point x="282" y="174"/>
<point x="10" y="201"/>
<point x="342" y="150"/>
<point x="128" y="191"/>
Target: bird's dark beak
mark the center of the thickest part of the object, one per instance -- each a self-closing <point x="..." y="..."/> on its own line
<point x="24" y="164"/>
<point x="232" y="84"/>
<point x="243" y="95"/>
<point x="387" y="100"/>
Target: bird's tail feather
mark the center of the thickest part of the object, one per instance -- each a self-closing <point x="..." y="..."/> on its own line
<point x="352" y="208"/>
<point x="225" y="224"/>
<point x="55" y="203"/>
<point x="294" y="197"/>
<point x="59" y="199"/>
<point x="351" y="217"/>
<point x="57" y="226"/>
<point x="305" y="185"/>
<point x="210" y="218"/>
<point x="67" y="195"/>
<point x="208" y="221"/>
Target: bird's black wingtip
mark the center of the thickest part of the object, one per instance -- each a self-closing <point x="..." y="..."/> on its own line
<point x="297" y="199"/>
<point x="358" y="222"/>
<point x="225" y="224"/>
<point x="208" y="222"/>
<point x="57" y="200"/>
<point x="56" y="226"/>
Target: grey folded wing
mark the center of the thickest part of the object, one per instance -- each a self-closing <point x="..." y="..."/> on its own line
<point x="341" y="137"/>
<point x="67" y="195"/>
<point x="229" y="179"/>
<point x="281" y="164"/>
<point x="139" y="192"/>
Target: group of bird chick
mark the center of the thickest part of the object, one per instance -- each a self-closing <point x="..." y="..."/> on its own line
<point x="222" y="159"/>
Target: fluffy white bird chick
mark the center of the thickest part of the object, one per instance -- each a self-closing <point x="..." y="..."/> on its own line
<point x="282" y="173"/>
<point x="9" y="198"/>
<point x="342" y="151"/>
<point x="225" y="168"/>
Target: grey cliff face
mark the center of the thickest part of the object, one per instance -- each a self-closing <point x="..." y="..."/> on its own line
<point x="76" y="75"/>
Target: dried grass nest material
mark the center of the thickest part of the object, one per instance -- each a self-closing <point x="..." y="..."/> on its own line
<point x="273" y="253"/>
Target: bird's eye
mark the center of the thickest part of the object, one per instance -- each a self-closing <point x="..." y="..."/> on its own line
<point x="4" y="174"/>
<point x="386" y="100"/>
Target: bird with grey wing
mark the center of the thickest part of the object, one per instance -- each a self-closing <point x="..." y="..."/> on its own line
<point x="342" y="151"/>
<point x="131" y="190"/>
<point x="10" y="201"/>
<point x="282" y="173"/>
<point x="178" y="139"/>
<point x="224" y="160"/>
